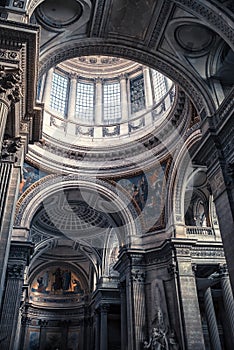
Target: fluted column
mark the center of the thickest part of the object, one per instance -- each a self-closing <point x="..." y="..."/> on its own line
<point x="211" y="320"/>
<point x="72" y="97"/>
<point x="227" y="298"/>
<point x="138" y="298"/>
<point x="10" y="175"/>
<point x="193" y="334"/>
<point x="103" y="329"/>
<point x="47" y="88"/>
<point x="123" y="316"/>
<point x="97" y="329"/>
<point x="9" y="93"/>
<point x="18" y="259"/>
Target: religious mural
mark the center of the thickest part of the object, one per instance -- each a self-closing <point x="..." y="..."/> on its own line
<point x="56" y="281"/>
<point x="30" y="175"/>
<point x="147" y="191"/>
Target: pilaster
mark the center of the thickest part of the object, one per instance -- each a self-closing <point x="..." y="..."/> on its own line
<point x="18" y="259"/>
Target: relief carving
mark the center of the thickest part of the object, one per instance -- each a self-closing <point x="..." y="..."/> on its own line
<point x="16" y="271"/>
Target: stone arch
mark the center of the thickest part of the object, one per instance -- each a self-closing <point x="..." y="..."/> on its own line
<point x="30" y="201"/>
<point x="181" y="168"/>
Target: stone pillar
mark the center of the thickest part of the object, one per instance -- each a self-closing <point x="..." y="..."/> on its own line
<point x="97" y="329"/>
<point x="138" y="297"/>
<point x="10" y="175"/>
<point x="18" y="259"/>
<point x="148" y="88"/>
<point x="47" y="88"/>
<point x="123" y="315"/>
<point x="124" y="97"/>
<point x="98" y="107"/>
<point x="227" y="299"/>
<point x="193" y="334"/>
<point x="71" y="109"/>
<point x="211" y="320"/>
<point x="9" y="92"/>
<point x="103" y="327"/>
<point x="42" y="340"/>
<point x="131" y="266"/>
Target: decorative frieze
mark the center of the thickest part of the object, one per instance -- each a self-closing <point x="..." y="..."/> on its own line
<point x="9" y="55"/>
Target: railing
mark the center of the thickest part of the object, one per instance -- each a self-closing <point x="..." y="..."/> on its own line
<point x="201" y="231"/>
<point x="73" y="128"/>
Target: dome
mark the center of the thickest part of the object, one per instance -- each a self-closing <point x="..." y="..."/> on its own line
<point x="103" y="99"/>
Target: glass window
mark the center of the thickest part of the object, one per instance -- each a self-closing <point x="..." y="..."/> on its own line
<point x="58" y="96"/>
<point x="111" y="102"/>
<point x="85" y="101"/>
<point x="160" y="85"/>
<point x="137" y="93"/>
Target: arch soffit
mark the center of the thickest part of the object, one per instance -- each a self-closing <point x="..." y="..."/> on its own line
<point x="30" y="201"/>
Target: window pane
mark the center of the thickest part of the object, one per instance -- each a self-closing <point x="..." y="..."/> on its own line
<point x="111" y="102"/>
<point x="160" y="85"/>
<point x="58" y="96"/>
<point x="85" y="101"/>
<point x="137" y="94"/>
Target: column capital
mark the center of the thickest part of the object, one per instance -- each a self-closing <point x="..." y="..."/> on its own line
<point x="20" y="251"/>
<point x="9" y="148"/>
<point x="15" y="271"/>
<point x="10" y="79"/>
<point x="104" y="308"/>
<point x="223" y="270"/>
<point x="138" y="276"/>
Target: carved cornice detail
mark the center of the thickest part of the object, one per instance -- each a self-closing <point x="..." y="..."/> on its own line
<point x="9" y="148"/>
<point x="206" y="252"/>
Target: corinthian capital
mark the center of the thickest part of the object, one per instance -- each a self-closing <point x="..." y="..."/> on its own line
<point x="10" y="79"/>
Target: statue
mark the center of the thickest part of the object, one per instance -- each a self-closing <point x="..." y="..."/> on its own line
<point x="158" y="340"/>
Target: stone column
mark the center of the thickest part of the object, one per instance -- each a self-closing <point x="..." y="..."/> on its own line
<point x="148" y="88"/>
<point x="103" y="327"/>
<point x="18" y="259"/>
<point x="98" y="107"/>
<point x="42" y="340"/>
<point x="10" y="175"/>
<point x="227" y="299"/>
<point x="9" y="93"/>
<point x="193" y="334"/>
<point x="211" y="320"/>
<point x="97" y="329"/>
<point x="124" y="97"/>
<point x="47" y="88"/>
<point x="71" y="109"/>
<point x="123" y="315"/>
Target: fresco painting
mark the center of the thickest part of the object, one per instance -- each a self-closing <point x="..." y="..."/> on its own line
<point x="146" y="190"/>
<point x="57" y="281"/>
<point x="30" y="175"/>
